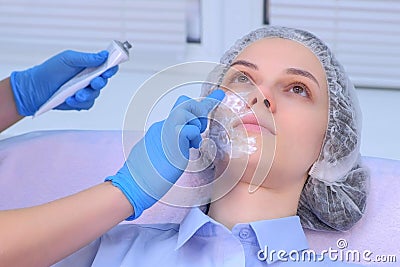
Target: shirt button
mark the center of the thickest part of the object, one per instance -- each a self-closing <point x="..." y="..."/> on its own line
<point x="244" y="233"/>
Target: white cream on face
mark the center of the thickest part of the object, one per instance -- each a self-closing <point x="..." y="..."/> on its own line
<point x="227" y="131"/>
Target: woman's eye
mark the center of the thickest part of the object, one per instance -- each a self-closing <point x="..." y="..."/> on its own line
<point x="297" y="89"/>
<point x="241" y="78"/>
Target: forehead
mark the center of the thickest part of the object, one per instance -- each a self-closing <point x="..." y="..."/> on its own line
<point x="278" y="53"/>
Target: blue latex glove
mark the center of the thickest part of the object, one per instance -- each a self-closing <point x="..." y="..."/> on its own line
<point x="34" y="86"/>
<point x="161" y="156"/>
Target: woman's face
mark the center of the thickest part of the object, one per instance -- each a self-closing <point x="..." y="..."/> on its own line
<point x="293" y="80"/>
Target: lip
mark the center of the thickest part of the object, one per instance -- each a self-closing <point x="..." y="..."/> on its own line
<point x="251" y="123"/>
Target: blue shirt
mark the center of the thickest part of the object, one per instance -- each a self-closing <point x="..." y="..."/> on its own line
<point x="201" y="241"/>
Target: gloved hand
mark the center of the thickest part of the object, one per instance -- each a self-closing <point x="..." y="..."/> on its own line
<point x="34" y="86"/>
<point x="157" y="161"/>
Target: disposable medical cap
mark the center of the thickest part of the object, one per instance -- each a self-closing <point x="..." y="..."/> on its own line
<point x="334" y="195"/>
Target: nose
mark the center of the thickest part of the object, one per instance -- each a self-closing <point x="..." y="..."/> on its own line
<point x="266" y="103"/>
<point x="266" y="99"/>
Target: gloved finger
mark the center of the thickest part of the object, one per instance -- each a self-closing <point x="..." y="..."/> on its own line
<point x="181" y="100"/>
<point x="212" y="100"/>
<point x="86" y="94"/>
<point x="180" y="114"/>
<point x="175" y="138"/>
<point x="98" y="83"/>
<point x="84" y="60"/>
<point x="110" y="72"/>
<point x="199" y="109"/>
<point x="180" y="117"/>
<point x="192" y="134"/>
<point x="72" y="103"/>
<point x="202" y="109"/>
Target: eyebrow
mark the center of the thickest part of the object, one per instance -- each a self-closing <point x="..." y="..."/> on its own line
<point x="292" y="71"/>
<point x="245" y="63"/>
<point x="303" y="73"/>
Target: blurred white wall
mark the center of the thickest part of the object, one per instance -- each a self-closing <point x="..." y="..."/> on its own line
<point x="381" y="111"/>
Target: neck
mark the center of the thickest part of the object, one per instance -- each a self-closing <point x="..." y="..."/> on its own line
<point x="240" y="206"/>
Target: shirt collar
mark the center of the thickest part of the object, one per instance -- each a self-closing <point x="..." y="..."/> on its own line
<point x="276" y="234"/>
<point x="280" y="234"/>
<point x="193" y="221"/>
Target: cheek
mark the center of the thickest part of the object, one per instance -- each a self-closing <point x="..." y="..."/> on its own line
<point x="300" y="138"/>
